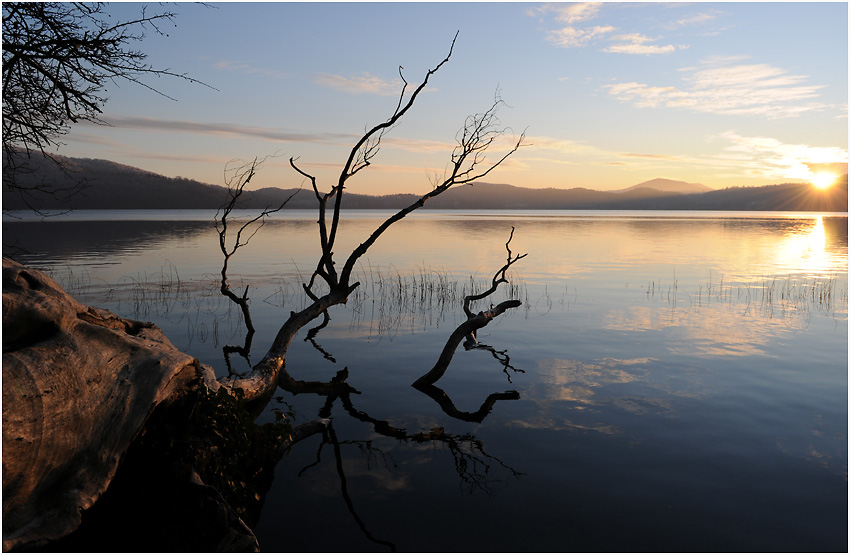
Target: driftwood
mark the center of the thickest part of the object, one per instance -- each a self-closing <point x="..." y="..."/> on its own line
<point x="78" y="385"/>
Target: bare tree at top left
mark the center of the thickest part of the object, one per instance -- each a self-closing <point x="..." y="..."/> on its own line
<point x="58" y="59"/>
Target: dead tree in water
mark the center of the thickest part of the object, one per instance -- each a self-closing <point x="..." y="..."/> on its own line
<point x="236" y="180"/>
<point x="468" y="330"/>
<point x="467" y="164"/>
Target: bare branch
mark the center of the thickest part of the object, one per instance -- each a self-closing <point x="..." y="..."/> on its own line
<point x="464" y="330"/>
<point x="498" y="278"/>
<point x="473" y="322"/>
<point x="58" y="59"/>
<point x="474" y="138"/>
<point x="367" y="147"/>
<point x="236" y="182"/>
<point x="325" y="266"/>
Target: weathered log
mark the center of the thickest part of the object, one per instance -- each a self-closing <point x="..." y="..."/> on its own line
<point x="79" y="383"/>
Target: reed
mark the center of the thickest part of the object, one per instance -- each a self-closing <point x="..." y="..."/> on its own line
<point x="387" y="301"/>
<point x="772" y="296"/>
<point x="194" y="307"/>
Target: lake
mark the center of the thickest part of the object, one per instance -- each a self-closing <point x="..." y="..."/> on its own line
<point x="673" y="381"/>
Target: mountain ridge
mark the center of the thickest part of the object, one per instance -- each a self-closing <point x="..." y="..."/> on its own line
<point x="668" y="186"/>
<point x="113" y="186"/>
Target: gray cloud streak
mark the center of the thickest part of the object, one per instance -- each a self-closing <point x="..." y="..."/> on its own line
<point x="227" y="129"/>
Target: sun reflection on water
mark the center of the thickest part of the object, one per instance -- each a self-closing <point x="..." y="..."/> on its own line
<point x="806" y="251"/>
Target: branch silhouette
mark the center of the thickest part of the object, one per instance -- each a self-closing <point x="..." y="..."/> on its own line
<point x="467" y="163"/>
<point x="236" y="179"/>
<point x="468" y="329"/>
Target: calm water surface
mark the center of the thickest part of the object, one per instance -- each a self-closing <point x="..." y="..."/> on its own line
<point x="675" y="381"/>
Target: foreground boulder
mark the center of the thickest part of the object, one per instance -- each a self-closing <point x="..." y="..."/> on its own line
<point x="79" y="383"/>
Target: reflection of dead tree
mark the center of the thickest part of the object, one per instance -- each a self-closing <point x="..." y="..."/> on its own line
<point x="238" y="178"/>
<point x="449" y="408"/>
<point x="311" y="337"/>
<point x="473" y="465"/>
<point x="343" y="483"/>
<point x="473" y="470"/>
<point x="467" y="451"/>
<point x="501" y="356"/>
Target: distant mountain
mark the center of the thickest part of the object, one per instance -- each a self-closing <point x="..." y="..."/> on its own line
<point x="111" y="186"/>
<point x="668" y="186"/>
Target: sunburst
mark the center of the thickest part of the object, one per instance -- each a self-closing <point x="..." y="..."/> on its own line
<point x="823" y="180"/>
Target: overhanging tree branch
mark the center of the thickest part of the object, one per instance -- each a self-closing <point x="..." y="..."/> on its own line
<point x="58" y="59"/>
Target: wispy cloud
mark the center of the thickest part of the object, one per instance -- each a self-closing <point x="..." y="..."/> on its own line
<point x="424" y="171"/>
<point x="570" y="34"/>
<point x="576" y="31"/>
<point x="665" y="157"/>
<point x="568" y="152"/>
<point x="247" y="69"/>
<point x="225" y="129"/>
<point x="122" y="150"/>
<point x="417" y="145"/>
<point x="637" y="44"/>
<point x="361" y="83"/>
<point x="769" y="157"/>
<point x="570" y="37"/>
<point x="172" y="157"/>
<point x="569" y="13"/>
<point x="562" y="146"/>
<point x="700" y="18"/>
<point x="762" y="158"/>
<point x="720" y="88"/>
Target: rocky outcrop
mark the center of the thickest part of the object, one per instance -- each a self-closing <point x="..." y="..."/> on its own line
<point x="79" y="383"/>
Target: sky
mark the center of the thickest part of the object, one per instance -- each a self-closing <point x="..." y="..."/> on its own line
<point x="609" y="95"/>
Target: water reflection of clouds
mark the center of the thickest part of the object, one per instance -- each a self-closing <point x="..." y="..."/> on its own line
<point x="366" y="479"/>
<point x="586" y="386"/>
<point x="708" y="332"/>
<point x="823" y="446"/>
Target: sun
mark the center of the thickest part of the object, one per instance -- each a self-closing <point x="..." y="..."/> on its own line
<point x="823" y="180"/>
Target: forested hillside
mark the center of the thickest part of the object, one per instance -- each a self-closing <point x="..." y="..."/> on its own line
<point x="107" y="185"/>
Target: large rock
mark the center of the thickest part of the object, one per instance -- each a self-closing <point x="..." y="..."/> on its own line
<point x="79" y="383"/>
